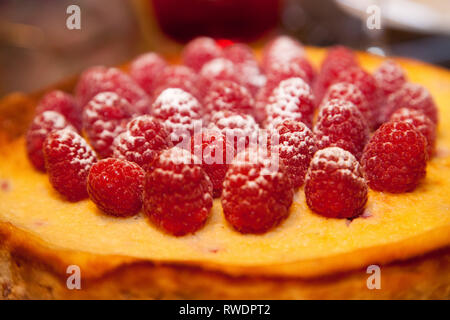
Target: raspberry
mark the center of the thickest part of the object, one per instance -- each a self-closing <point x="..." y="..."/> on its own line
<point x="348" y="92"/>
<point x="340" y="124"/>
<point x="296" y="147"/>
<point x="337" y="60"/>
<point x="146" y="69"/>
<point x="215" y="152"/>
<point x="100" y="79"/>
<point x="282" y="71"/>
<point x="412" y="96"/>
<point x="422" y="123"/>
<point x="246" y="66"/>
<point x="178" y="110"/>
<point x="239" y="53"/>
<point x="228" y="95"/>
<point x="292" y="99"/>
<point x="368" y="86"/>
<point x="68" y="159"/>
<point x="199" y="51"/>
<point x="257" y="193"/>
<point x="143" y="140"/>
<point x="177" y="192"/>
<point x="180" y="77"/>
<point x="395" y="158"/>
<point x="298" y="63"/>
<point x="43" y="123"/>
<point x="217" y="69"/>
<point x="116" y="186"/>
<point x="63" y="103"/>
<point x="282" y="48"/>
<point x="390" y="77"/>
<point x="104" y="118"/>
<point x="335" y="187"/>
<point x="240" y="129"/>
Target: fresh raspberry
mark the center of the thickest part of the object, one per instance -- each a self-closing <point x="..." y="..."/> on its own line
<point x="100" y="79"/>
<point x="180" y="77"/>
<point x="257" y="193"/>
<point x="216" y="153"/>
<point x="340" y="124"/>
<point x="422" y="123"/>
<point x="395" y="158"/>
<point x="292" y="99"/>
<point x="282" y="71"/>
<point x="217" y="69"/>
<point x="239" y="53"/>
<point x="390" y="77"/>
<point x="116" y="186"/>
<point x="349" y="92"/>
<point x="412" y="96"/>
<point x="104" y="118"/>
<point x="300" y="63"/>
<point x="228" y="95"/>
<point x="68" y="159"/>
<point x="43" y="123"/>
<point x="178" y="110"/>
<point x="143" y="140"/>
<point x="246" y="66"/>
<point x="199" y="51"/>
<point x="63" y="103"/>
<point x="337" y="60"/>
<point x="146" y="69"/>
<point x="240" y="129"/>
<point x="281" y="49"/>
<point x="296" y="147"/>
<point x="365" y="82"/>
<point x="177" y="192"/>
<point x="335" y="187"/>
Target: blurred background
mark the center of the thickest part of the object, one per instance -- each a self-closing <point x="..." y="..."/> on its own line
<point x="37" y="49"/>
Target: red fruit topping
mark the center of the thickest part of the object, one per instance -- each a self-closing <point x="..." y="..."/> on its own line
<point x="100" y="79"/>
<point x="68" y="159"/>
<point x="240" y="129"/>
<point x="177" y="192"/>
<point x="104" y="118"/>
<point x="422" y="123"/>
<point x="178" y="110"/>
<point x="390" y="77"/>
<point x="143" y="140"/>
<point x="216" y="153"/>
<point x="281" y="49"/>
<point x="299" y="63"/>
<point x="395" y="158"/>
<point x="217" y="69"/>
<point x="257" y="193"/>
<point x="335" y="187"/>
<point x="412" y="96"/>
<point x="340" y="124"/>
<point x="199" y="51"/>
<point x="292" y="99"/>
<point x="63" y="103"/>
<point x="281" y="71"/>
<point x="116" y="186"/>
<point x="43" y="123"/>
<point x="228" y="96"/>
<point x="246" y="66"/>
<point x="146" y="69"/>
<point x="296" y="147"/>
<point x="349" y="92"/>
<point x="239" y="53"/>
<point x="180" y="77"/>
<point x="368" y="86"/>
<point x="338" y="59"/>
